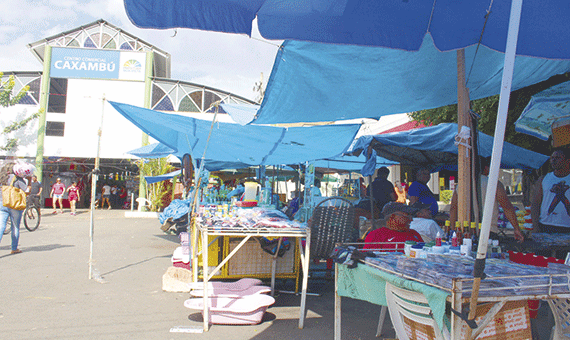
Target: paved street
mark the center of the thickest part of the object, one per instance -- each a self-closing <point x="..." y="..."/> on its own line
<point x="45" y="292"/>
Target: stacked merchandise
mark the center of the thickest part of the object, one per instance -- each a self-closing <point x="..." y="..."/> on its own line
<point x="243" y="302"/>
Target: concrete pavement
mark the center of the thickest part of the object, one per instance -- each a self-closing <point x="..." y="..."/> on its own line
<point x="45" y="292"/>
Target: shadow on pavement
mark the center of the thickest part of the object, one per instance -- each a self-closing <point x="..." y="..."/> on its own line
<point x="47" y="247"/>
<point x="137" y="263"/>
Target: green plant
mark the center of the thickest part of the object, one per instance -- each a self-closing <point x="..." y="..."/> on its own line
<point x="156" y="191"/>
<point x="445" y="196"/>
<point x="7" y="98"/>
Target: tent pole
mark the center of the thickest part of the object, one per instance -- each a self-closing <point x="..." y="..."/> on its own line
<point x="510" y="52"/>
<point x="463" y="159"/>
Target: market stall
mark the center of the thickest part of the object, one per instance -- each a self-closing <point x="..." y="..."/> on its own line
<point x="248" y="223"/>
<point x="447" y="280"/>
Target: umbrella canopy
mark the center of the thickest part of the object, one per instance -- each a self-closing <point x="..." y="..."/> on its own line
<point x="434" y="146"/>
<point x="233" y="146"/>
<point x="154" y="150"/>
<point x="545" y="108"/>
<point x="396" y="24"/>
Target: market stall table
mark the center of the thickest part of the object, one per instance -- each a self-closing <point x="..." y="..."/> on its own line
<point x="271" y="227"/>
<point x="440" y="285"/>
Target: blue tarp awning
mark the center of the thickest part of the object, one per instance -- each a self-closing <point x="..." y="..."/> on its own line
<point x="350" y="163"/>
<point x="397" y="24"/>
<point x="154" y="150"/>
<point x="434" y="146"/>
<point x="386" y="81"/>
<point x="233" y="146"/>
<point x="336" y="80"/>
<point x="160" y="178"/>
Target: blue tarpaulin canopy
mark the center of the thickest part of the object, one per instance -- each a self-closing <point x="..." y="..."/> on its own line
<point x="336" y="82"/>
<point x="434" y="146"/>
<point x="160" y="178"/>
<point x="349" y="163"/>
<point x="154" y="150"/>
<point x="236" y="146"/>
<point x="397" y="24"/>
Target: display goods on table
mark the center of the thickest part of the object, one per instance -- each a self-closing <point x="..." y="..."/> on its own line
<point x="245" y="223"/>
<point x="450" y="277"/>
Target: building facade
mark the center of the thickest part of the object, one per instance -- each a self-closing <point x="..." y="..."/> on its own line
<point x="83" y="69"/>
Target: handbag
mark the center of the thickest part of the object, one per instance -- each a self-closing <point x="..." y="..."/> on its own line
<point x="12" y="197"/>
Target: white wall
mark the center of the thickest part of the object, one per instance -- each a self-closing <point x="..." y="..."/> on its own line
<point x="83" y="118"/>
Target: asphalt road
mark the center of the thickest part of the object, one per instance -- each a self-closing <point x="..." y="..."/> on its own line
<point x="46" y="293"/>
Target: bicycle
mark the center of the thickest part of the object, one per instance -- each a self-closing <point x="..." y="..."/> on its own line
<point x="31" y="217"/>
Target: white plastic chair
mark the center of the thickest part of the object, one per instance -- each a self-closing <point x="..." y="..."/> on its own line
<point x="403" y="303"/>
<point x="143" y="202"/>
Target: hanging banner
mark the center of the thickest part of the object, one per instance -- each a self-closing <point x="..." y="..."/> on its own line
<point x="309" y="182"/>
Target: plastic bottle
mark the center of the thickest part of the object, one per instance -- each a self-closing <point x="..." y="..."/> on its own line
<point x="454" y="240"/>
<point x="438" y="239"/>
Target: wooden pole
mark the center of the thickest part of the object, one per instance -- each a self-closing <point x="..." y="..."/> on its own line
<point x="463" y="161"/>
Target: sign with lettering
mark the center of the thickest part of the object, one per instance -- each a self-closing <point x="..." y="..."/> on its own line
<point x="97" y="64"/>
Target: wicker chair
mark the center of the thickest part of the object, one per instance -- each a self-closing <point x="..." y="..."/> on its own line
<point x="332" y="222"/>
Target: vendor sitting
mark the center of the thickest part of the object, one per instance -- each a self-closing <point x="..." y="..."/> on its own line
<point x="398" y="217"/>
<point x="424" y="224"/>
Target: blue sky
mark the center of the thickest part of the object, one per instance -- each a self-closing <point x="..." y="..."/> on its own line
<point x="228" y="62"/>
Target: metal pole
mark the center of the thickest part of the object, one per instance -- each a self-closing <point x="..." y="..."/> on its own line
<point x="94" y="177"/>
<point x="510" y="52"/>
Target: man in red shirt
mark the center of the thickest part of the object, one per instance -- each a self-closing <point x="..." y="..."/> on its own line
<point x="397" y="230"/>
<point x="56" y="195"/>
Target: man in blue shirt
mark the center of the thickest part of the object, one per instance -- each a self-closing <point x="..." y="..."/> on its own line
<point x="419" y="191"/>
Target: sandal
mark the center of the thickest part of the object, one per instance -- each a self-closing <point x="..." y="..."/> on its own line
<point x="17" y="251"/>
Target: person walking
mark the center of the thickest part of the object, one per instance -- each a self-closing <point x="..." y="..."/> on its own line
<point x="35" y="192"/>
<point x="56" y="194"/>
<point x="73" y="196"/>
<point x="105" y="195"/>
<point x="13" y="175"/>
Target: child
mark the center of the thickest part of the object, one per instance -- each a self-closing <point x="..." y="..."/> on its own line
<point x="73" y="196"/>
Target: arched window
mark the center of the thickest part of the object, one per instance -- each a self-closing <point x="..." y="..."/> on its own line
<point x="106" y="40"/>
<point x="209" y="99"/>
<point x="188" y="105"/>
<point x="127" y="46"/>
<point x="160" y="101"/>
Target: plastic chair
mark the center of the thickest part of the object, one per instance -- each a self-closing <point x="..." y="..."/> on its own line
<point x="143" y="202"/>
<point x="411" y="315"/>
<point x="333" y="221"/>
